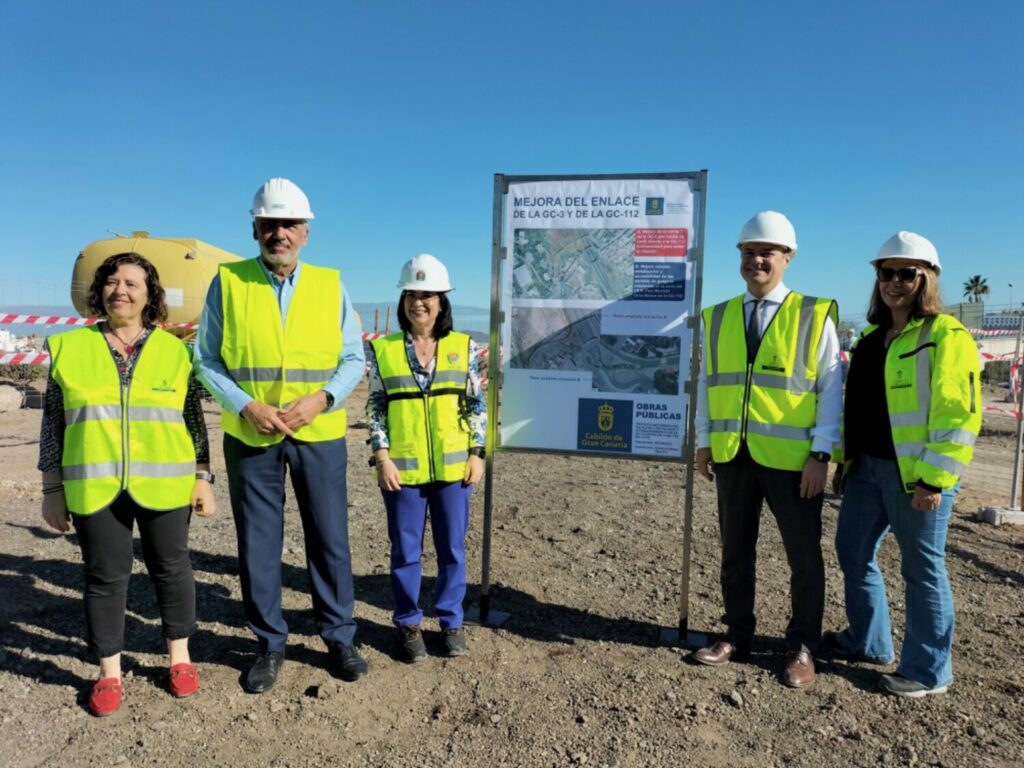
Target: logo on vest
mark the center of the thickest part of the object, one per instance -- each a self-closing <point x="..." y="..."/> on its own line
<point x="165" y="386"/>
<point x="453" y="357"/>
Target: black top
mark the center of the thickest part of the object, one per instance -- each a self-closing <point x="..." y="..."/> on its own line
<point x="866" y="428"/>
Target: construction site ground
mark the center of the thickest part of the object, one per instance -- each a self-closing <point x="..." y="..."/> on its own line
<point x="586" y="559"/>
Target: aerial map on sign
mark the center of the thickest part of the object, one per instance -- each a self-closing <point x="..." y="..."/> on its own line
<point x="570" y="340"/>
<point x="573" y="263"/>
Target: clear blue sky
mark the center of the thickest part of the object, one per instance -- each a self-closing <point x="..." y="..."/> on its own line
<point x="855" y="119"/>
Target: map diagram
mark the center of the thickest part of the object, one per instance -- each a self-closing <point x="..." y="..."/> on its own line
<point x="571" y="340"/>
<point x="572" y="263"/>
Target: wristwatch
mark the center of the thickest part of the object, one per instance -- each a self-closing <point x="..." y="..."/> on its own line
<point x="478" y="451"/>
<point x="330" y="399"/>
<point x="821" y="456"/>
<point x="207" y="476"/>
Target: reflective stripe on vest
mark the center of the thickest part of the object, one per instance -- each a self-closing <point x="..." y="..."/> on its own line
<point x="772" y="403"/>
<point x="274" y="362"/>
<point x="933" y="437"/>
<point x="427" y="434"/>
<point x="159" y="472"/>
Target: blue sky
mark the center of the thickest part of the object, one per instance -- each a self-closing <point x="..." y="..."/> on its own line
<point x="855" y="119"/>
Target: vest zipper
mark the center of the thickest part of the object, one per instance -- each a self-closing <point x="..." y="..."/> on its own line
<point x="745" y="410"/>
<point x="430" y="446"/>
<point x="125" y="425"/>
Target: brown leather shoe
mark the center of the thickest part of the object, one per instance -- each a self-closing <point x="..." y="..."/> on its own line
<point x="720" y="653"/>
<point x="799" y="672"/>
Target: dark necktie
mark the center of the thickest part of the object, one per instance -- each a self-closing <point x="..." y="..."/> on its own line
<point x="753" y="330"/>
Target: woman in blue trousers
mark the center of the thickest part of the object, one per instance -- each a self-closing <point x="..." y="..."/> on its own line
<point x="427" y="420"/>
<point x="911" y="416"/>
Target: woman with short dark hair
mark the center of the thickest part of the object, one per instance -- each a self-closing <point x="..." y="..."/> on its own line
<point x="123" y="441"/>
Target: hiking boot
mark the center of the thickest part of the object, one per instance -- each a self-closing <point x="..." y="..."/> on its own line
<point x="411" y="648"/>
<point x="455" y="641"/>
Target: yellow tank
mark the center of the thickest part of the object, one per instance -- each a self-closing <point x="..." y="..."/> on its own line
<point x="186" y="267"/>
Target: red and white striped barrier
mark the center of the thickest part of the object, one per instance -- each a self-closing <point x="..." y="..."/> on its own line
<point x="52" y="320"/>
<point x="994" y="332"/>
<point x="24" y="358"/>
<point x="1009" y="411"/>
<point x="12" y="319"/>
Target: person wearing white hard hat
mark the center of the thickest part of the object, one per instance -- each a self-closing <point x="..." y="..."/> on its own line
<point x="280" y="348"/>
<point x="427" y="419"/>
<point x="767" y="419"/>
<point x="911" y="417"/>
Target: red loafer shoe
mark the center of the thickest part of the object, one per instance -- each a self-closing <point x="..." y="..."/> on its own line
<point x="105" y="698"/>
<point x="184" y="680"/>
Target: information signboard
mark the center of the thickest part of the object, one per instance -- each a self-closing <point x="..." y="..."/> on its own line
<point x="597" y="289"/>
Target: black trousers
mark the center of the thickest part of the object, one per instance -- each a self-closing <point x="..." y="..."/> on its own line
<point x="105" y="538"/>
<point x="743" y="487"/>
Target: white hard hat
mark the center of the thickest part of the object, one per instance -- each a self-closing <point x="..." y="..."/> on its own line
<point x="280" y="199"/>
<point x="769" y="227"/>
<point x="909" y="245"/>
<point x="424" y="273"/>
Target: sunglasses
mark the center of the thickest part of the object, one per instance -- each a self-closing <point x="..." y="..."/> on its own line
<point x="905" y="274"/>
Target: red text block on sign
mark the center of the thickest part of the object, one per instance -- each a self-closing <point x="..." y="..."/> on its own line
<point x="660" y="242"/>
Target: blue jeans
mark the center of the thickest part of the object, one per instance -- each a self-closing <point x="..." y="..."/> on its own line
<point x="873" y="504"/>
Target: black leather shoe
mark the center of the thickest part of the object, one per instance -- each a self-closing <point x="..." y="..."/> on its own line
<point x="263" y="673"/>
<point x="347" y="664"/>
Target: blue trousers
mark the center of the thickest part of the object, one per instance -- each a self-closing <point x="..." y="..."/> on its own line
<point x="448" y="506"/>
<point x="873" y="504"/>
<point x="257" y="484"/>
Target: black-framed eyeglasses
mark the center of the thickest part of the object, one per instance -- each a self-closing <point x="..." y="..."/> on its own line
<point x="905" y="274"/>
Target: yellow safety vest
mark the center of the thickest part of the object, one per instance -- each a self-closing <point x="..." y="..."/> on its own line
<point x="278" y="363"/>
<point x="428" y="435"/>
<point x="933" y="394"/>
<point x="771" y="403"/>
<point x="117" y="438"/>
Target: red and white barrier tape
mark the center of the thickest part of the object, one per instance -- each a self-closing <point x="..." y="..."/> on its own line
<point x="10" y="319"/>
<point x="24" y="358"/>
<point x="1010" y="411"/>
<point x="993" y="332"/>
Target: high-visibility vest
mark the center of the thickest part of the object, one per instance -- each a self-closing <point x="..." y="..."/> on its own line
<point x="428" y="434"/>
<point x="933" y="394"/>
<point x="117" y="438"/>
<point x="772" y="402"/>
<point x="278" y="363"/>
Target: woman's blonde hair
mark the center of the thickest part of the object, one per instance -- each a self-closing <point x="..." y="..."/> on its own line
<point x="928" y="302"/>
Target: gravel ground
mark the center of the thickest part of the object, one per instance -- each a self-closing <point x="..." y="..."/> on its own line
<point x="586" y="559"/>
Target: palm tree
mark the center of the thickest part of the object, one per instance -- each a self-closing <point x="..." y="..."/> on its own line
<point x="975" y="288"/>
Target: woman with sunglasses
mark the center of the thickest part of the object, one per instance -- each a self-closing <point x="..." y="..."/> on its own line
<point x="427" y="420"/>
<point x="911" y="415"/>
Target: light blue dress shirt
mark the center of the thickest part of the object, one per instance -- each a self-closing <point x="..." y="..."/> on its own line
<point x="214" y="374"/>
